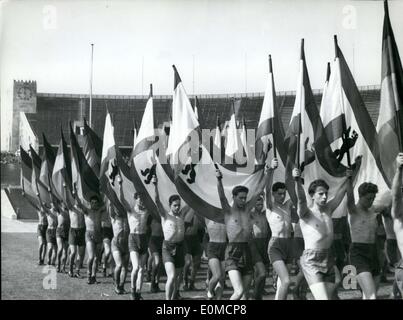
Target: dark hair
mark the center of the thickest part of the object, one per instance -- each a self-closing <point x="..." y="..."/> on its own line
<point x="173" y="198"/>
<point x="367" y="187"/>
<point x="239" y="189"/>
<point x="315" y="184"/>
<point x="277" y="185"/>
<point x="138" y="195"/>
<point x="94" y="197"/>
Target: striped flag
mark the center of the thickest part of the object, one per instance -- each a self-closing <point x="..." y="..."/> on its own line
<point x="84" y="180"/>
<point x="26" y="176"/>
<point x="308" y="146"/>
<point x="270" y="131"/>
<point x="149" y="159"/>
<point x="194" y="170"/>
<point x="36" y="168"/>
<point x="92" y="148"/>
<point x="233" y="144"/>
<point x="348" y="125"/>
<point x="45" y="174"/>
<point x="61" y="175"/>
<point x="390" y="121"/>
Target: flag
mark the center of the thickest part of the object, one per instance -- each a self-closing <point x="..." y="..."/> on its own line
<point x="112" y="164"/>
<point x="233" y="142"/>
<point x="26" y="176"/>
<point x="270" y="132"/>
<point x="27" y="135"/>
<point x="148" y="153"/>
<point x="390" y="121"/>
<point x="193" y="169"/>
<point x="45" y="174"/>
<point x="36" y="168"/>
<point x="135" y="132"/>
<point x="61" y="175"/>
<point x="92" y="148"/>
<point x="84" y="180"/>
<point x="108" y="148"/>
<point x="308" y="146"/>
<point x="348" y="125"/>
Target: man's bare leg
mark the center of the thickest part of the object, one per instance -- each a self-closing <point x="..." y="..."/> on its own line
<point x="156" y="264"/>
<point x="60" y="248"/>
<point x="214" y="285"/>
<point x="41" y="250"/>
<point x="178" y="280"/>
<point x="171" y="277"/>
<point x="91" y="257"/>
<point x="283" y="280"/>
<point x="65" y="255"/>
<point x="367" y="284"/>
<point x="80" y="258"/>
<point x="97" y="258"/>
<point x="196" y="260"/>
<point x="320" y="291"/>
<point x="118" y="270"/>
<point x="246" y="281"/>
<point x="260" y="279"/>
<point x="135" y="259"/>
<point x="186" y="271"/>
<point x="140" y="275"/>
<point x="73" y="252"/>
<point x="107" y="256"/>
<point x="123" y="273"/>
<point x="237" y="284"/>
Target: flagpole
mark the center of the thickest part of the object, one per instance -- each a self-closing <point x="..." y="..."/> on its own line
<point x="92" y="57"/>
<point x="274" y="105"/>
<point x="300" y="116"/>
<point x="343" y="118"/>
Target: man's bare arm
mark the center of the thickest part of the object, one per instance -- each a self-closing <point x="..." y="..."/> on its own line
<point x="397" y="207"/>
<point x="268" y="172"/>
<point x="352" y="209"/>
<point x="122" y="199"/>
<point x="302" y="206"/>
<point x="220" y="188"/>
<point x="161" y="209"/>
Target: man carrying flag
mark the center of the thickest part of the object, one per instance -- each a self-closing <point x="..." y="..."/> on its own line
<point x="34" y="201"/>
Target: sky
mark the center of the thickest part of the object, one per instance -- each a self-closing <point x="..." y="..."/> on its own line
<point x="218" y="46"/>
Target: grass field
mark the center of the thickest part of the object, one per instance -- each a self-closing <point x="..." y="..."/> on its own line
<point x="22" y="279"/>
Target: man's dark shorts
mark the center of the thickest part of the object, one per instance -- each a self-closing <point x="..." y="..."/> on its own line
<point x="173" y="252"/>
<point x="41" y="231"/>
<point x="364" y="257"/>
<point x="216" y="250"/>
<point x="138" y="243"/>
<point x="298" y="245"/>
<point x="155" y="244"/>
<point x="63" y="232"/>
<point x="238" y="256"/>
<point x="93" y="236"/>
<point x="51" y="236"/>
<point x="120" y="243"/>
<point x="280" y="249"/>
<point x="77" y="237"/>
<point x="261" y="246"/>
<point x="107" y="233"/>
<point x="318" y="266"/>
<point x="193" y="245"/>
